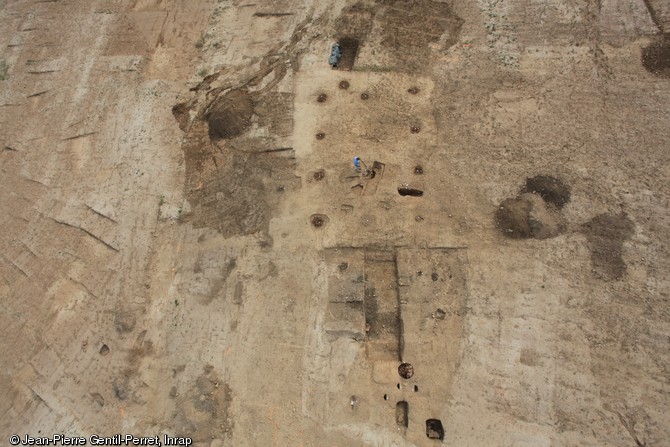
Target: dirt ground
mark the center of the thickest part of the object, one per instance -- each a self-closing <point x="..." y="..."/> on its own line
<point x="186" y="248"/>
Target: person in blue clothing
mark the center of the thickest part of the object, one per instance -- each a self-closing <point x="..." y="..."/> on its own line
<point x="357" y="164"/>
<point x="335" y="55"/>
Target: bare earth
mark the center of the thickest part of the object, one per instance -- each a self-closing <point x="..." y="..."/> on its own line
<point x="186" y="249"/>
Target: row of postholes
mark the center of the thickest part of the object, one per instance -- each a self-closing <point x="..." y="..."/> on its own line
<point x="319" y="220"/>
<point x="344" y="85"/>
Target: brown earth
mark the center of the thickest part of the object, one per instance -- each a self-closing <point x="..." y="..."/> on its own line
<point x="182" y="255"/>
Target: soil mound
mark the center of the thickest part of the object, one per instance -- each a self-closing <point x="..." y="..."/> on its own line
<point x="231" y="115"/>
<point x="527" y="216"/>
<point x="551" y="189"/>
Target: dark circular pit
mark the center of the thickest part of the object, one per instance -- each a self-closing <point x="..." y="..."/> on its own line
<point x="413" y="90"/>
<point x="322" y="97"/>
<point x="319" y="175"/>
<point x="365" y="96"/>
<point x="318" y="220"/>
<point x="418" y="170"/>
<point x="320" y="136"/>
<point x="405" y="370"/>
<point x="344" y="85"/>
<point x="415" y="129"/>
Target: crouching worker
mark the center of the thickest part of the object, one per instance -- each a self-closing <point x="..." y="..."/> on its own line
<point x="335" y="55"/>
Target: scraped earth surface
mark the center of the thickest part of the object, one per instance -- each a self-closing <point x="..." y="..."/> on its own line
<point x="186" y="248"/>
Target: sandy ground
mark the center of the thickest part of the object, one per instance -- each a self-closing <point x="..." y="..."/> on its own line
<point x="186" y="248"/>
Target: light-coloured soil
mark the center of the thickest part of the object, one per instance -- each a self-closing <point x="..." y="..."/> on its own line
<point x="186" y="248"/>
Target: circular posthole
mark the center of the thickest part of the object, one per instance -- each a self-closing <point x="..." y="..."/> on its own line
<point x="413" y="90"/>
<point x="344" y="85"/>
<point x="386" y="397"/>
<point x="319" y="175"/>
<point x="365" y="96"/>
<point x="320" y="136"/>
<point x="104" y="349"/>
<point x="434" y="276"/>
<point x="415" y="129"/>
<point x="418" y="170"/>
<point x="416" y="388"/>
<point x="405" y="370"/>
<point x="318" y="220"/>
<point x="322" y="97"/>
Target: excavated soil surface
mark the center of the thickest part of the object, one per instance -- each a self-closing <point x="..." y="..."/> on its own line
<point x="605" y="235"/>
<point x="656" y="57"/>
<point x="551" y="189"/>
<point x="230" y="115"/>
<point x="527" y="216"/>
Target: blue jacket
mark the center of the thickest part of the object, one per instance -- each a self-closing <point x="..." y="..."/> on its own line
<point x="335" y="54"/>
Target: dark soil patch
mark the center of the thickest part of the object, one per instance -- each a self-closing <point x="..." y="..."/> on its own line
<point x="526" y="217"/>
<point x="344" y="85"/>
<point x="415" y="129"/>
<point x="371" y="311"/>
<point x="232" y="191"/>
<point x="319" y="175"/>
<point x="410" y="26"/>
<point x="413" y="90"/>
<point x="181" y="114"/>
<point x="322" y="97"/>
<point x="434" y="429"/>
<point x="203" y="409"/>
<point x="418" y="170"/>
<point x="405" y="370"/>
<point x="512" y="218"/>
<point x="551" y="189"/>
<point x="407" y="191"/>
<point x="124" y="322"/>
<point x="402" y="414"/>
<point x="231" y="115"/>
<point x="355" y="20"/>
<point x="656" y="57"/>
<point x="349" y="47"/>
<point x="365" y="96"/>
<point x="275" y="110"/>
<point x="318" y="220"/>
<point x="605" y="235"/>
<point x="320" y="136"/>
